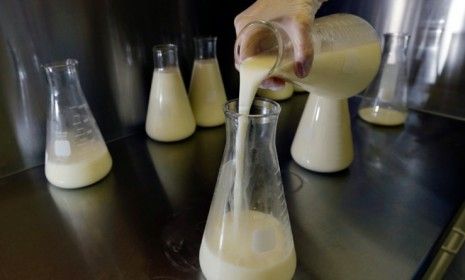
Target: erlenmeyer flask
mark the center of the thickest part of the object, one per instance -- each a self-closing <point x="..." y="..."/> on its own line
<point x="248" y="234"/>
<point x="169" y="115"/>
<point x="76" y="154"/>
<point x="206" y="91"/>
<point x="385" y="100"/>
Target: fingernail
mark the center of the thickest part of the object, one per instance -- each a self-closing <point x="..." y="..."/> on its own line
<point x="302" y="68"/>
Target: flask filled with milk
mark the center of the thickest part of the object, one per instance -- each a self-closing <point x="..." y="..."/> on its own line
<point x="347" y="55"/>
<point x="76" y="154"/>
<point x="169" y="114"/>
<point x="206" y="91"/>
<point x="248" y="234"/>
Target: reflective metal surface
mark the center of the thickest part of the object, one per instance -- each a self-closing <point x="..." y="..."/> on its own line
<point x="387" y="16"/>
<point x="438" y="62"/>
<point x="380" y="219"/>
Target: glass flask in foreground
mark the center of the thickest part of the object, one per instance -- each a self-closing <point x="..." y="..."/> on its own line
<point x="385" y="100"/>
<point x="248" y="234"/>
<point x="76" y="154"/>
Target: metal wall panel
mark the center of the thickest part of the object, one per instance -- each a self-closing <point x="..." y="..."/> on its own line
<point x="112" y="40"/>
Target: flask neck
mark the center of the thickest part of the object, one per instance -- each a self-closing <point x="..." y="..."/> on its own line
<point x="205" y="47"/>
<point x="165" y="55"/>
<point x="62" y="77"/>
<point x="395" y="44"/>
<point x="262" y="121"/>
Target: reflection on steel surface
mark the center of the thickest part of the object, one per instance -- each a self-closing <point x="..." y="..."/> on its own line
<point x="438" y="63"/>
<point x="24" y="95"/>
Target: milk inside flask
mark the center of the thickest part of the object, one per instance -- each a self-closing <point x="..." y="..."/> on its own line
<point x="76" y="154"/>
<point x="206" y="90"/>
<point x="169" y="114"/>
<point x="248" y="234"/>
<point x="346" y="58"/>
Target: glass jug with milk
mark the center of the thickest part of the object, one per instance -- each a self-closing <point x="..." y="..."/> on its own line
<point x="347" y="55"/>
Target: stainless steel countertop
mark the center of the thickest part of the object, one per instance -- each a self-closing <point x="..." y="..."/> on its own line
<point x="380" y="219"/>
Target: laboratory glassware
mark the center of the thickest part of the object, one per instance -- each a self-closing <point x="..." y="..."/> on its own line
<point x="347" y="55"/>
<point x="169" y="114"/>
<point x="385" y="100"/>
<point x="248" y="233"/>
<point x="206" y="91"/>
<point x="76" y="154"/>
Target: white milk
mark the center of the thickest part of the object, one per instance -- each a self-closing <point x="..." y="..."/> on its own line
<point x="206" y="93"/>
<point x="261" y="250"/>
<point x="280" y="94"/>
<point x="341" y="73"/>
<point x="251" y="73"/>
<point x="76" y="173"/>
<point x="382" y="116"/>
<point x="323" y="140"/>
<point x="169" y="115"/>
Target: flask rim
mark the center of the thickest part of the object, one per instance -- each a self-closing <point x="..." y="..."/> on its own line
<point x="274" y="30"/>
<point x="275" y="108"/>
<point x="60" y="64"/>
<point x="207" y="37"/>
<point x="159" y="48"/>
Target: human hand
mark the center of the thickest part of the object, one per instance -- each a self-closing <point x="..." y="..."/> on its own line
<point x="296" y="18"/>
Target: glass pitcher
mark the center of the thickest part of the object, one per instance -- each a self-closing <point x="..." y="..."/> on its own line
<point x="206" y="90"/>
<point x="76" y="154"/>
<point x="347" y="53"/>
<point x="248" y="234"/>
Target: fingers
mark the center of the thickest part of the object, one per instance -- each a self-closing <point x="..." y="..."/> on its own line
<point x="299" y="33"/>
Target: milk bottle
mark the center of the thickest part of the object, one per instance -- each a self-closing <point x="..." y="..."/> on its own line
<point x="169" y="115"/>
<point x="206" y="91"/>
